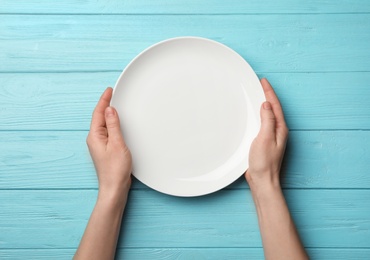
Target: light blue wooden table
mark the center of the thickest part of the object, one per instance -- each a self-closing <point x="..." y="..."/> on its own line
<point x="56" y="57"/>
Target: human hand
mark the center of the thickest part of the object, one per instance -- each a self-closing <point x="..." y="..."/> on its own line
<point x="267" y="149"/>
<point x="113" y="163"/>
<point x="280" y="238"/>
<point x="111" y="156"/>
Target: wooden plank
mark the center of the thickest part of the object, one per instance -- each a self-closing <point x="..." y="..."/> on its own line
<point x="271" y="43"/>
<point x="65" y="101"/>
<point x="184" y="253"/>
<point x="324" y="218"/>
<point x="181" y="7"/>
<point x="45" y="160"/>
<point x="61" y="101"/>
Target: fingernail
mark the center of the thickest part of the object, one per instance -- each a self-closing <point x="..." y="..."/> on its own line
<point x="109" y="112"/>
<point x="267" y="105"/>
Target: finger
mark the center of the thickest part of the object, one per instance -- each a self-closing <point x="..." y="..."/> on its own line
<point x="98" y="118"/>
<point x="247" y="176"/>
<point x="268" y="122"/>
<point x="113" y="126"/>
<point x="274" y="101"/>
<point x="281" y="127"/>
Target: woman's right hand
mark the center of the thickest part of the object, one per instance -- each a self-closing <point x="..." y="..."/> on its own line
<point x="267" y="150"/>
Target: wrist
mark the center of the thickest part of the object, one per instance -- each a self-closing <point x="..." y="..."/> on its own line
<point x="266" y="193"/>
<point x="113" y="199"/>
<point x="263" y="183"/>
<point x="114" y="190"/>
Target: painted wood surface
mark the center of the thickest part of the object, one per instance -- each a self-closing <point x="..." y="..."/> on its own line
<point x="64" y="101"/>
<point x="44" y="219"/>
<point x="56" y="57"/>
<point x="185" y="253"/>
<point x="271" y="43"/>
<point x="60" y="160"/>
<point x="181" y="6"/>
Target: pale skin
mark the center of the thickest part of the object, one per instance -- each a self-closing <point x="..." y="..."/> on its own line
<point x="113" y="164"/>
<point x="279" y="235"/>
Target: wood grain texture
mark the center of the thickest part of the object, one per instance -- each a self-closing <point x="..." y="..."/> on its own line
<point x="271" y="43"/>
<point x="65" y="101"/>
<point x="184" y="253"/>
<point x="60" y="160"/>
<point x="57" y="219"/>
<point x="182" y="6"/>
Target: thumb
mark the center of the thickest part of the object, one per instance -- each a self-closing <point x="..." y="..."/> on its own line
<point x="113" y="125"/>
<point x="268" y="121"/>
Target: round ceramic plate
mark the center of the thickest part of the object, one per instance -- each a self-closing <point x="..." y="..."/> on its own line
<point x="189" y="110"/>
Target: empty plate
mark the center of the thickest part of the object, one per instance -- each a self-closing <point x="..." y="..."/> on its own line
<point x="189" y="110"/>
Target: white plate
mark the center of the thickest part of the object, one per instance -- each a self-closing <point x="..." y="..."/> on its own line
<point x="189" y="110"/>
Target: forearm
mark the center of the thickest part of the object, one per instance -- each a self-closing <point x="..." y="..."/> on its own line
<point x="100" y="238"/>
<point x="279" y="235"/>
